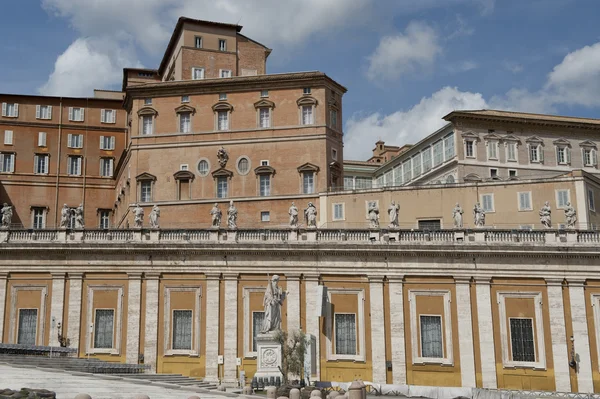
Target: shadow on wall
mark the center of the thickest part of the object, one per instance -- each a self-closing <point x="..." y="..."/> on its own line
<point x="17" y="221"/>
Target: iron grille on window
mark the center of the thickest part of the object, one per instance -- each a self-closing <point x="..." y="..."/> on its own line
<point x="345" y="334"/>
<point x="104" y="328"/>
<point x="521" y="339"/>
<point x="431" y="337"/>
<point x="257" y="322"/>
<point x="182" y="329"/>
<point x="27" y="326"/>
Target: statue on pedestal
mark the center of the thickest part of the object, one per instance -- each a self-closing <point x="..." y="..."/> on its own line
<point x="138" y="216"/>
<point x="154" y="217"/>
<point x="7" y="214"/>
<point x="65" y="216"/>
<point x="457" y="213"/>
<point x="274" y="297"/>
<point x="222" y="157"/>
<point x="479" y="215"/>
<point x="310" y="215"/>
<point x="232" y="214"/>
<point x="373" y="215"/>
<point x="216" y="215"/>
<point x="545" y="215"/>
<point x="293" y="212"/>
<point x="79" y="217"/>
<point x="393" y="211"/>
<point x="570" y="216"/>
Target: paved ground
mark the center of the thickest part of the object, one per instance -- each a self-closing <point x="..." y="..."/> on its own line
<point x="67" y="385"/>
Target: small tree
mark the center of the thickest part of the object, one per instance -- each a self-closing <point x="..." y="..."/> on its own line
<point x="293" y="347"/>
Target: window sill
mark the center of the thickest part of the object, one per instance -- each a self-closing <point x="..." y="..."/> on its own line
<point x="512" y="160"/>
<point x="10" y="116"/>
<point x="346" y="358"/>
<point x="178" y="352"/>
<point x="524" y="365"/>
<point x="101" y="351"/>
<point x="433" y="361"/>
<point x="525" y="210"/>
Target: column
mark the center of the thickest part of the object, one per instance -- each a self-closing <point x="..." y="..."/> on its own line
<point x="312" y="320"/>
<point x="151" y="321"/>
<point x="558" y="333"/>
<point x="465" y="332"/>
<point x="74" y="324"/>
<point x="293" y="302"/>
<point x="57" y="306"/>
<point x="486" y="334"/>
<point x="3" y="277"/>
<point x="397" y="331"/>
<point x="211" y="337"/>
<point x="134" y="303"/>
<point x="230" y="333"/>
<point x="580" y="335"/>
<point x="377" y="330"/>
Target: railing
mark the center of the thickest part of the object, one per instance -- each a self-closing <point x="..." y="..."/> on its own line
<point x="349" y="236"/>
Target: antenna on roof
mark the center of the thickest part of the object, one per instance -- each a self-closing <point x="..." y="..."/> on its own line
<point x="239" y="20"/>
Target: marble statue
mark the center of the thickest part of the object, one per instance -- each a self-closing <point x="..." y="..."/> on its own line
<point x="222" y="156"/>
<point x="570" y="216"/>
<point x="374" y="215"/>
<point x="293" y="212"/>
<point x="457" y="215"/>
<point x="65" y="216"/>
<point x="393" y="211"/>
<point x="154" y="217"/>
<point x="310" y="215"/>
<point x="79" y="217"/>
<point x="274" y="297"/>
<point x="545" y="215"/>
<point x="232" y="214"/>
<point x="216" y="215"/>
<point x="478" y="215"/>
<point x="138" y="216"/>
<point x="7" y="214"/>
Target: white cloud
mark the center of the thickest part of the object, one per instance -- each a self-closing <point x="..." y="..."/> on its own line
<point x="463" y="66"/>
<point x="512" y="66"/>
<point x="404" y="127"/>
<point x="395" y="56"/>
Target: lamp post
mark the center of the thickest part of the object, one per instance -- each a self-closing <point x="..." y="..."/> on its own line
<point x="53" y="324"/>
<point x="573" y="362"/>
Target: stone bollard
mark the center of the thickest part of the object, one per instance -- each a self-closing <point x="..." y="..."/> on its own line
<point x="333" y="395"/>
<point x="141" y="396"/>
<point x="271" y="392"/>
<point x="247" y="391"/>
<point x="283" y="397"/>
<point x="294" y="393"/>
<point x="221" y="388"/>
<point x="194" y="397"/>
<point x="83" y="396"/>
<point x="316" y="394"/>
<point x="355" y="390"/>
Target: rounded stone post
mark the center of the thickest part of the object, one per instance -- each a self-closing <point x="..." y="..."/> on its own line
<point x="83" y="396"/>
<point x="271" y="392"/>
<point x="294" y="393"/>
<point x="141" y="396"/>
<point x="355" y="390"/>
<point x="194" y="397"/>
<point x="316" y="394"/>
<point x="333" y="395"/>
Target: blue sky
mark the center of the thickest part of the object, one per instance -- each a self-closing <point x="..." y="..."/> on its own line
<point x="405" y="63"/>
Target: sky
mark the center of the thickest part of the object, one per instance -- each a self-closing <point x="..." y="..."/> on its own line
<point x="406" y="63"/>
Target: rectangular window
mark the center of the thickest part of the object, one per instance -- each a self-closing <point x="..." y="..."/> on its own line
<point x="525" y="201"/>
<point x="449" y="147"/>
<point x="307" y="115"/>
<point x="438" y="156"/>
<point x="338" y="211"/>
<point x="74" y="166"/>
<point x="406" y="172"/>
<point x="185" y="122"/>
<point x="76" y="114"/>
<point x="333" y="118"/>
<point x="511" y="151"/>
<point x="264" y="162"/>
<point x="42" y="139"/>
<point x="563" y="155"/>
<point x="104" y="328"/>
<point x="265" y="185"/>
<point x="222" y="96"/>
<point x="27" y="327"/>
<point x="345" y="333"/>
<point x="265" y="216"/>
<point x="416" y="165"/>
<point x="7" y="162"/>
<point x="430" y="224"/>
<point x="10" y="110"/>
<point x="306" y="90"/>
<point x="536" y="153"/>
<point x="264" y="93"/>
<point x="469" y="149"/>
<point x="222" y="44"/>
<point x="257" y="322"/>
<point x="590" y="157"/>
<point x="492" y="149"/>
<point x="185" y="99"/>
<point x="108" y="116"/>
<point x="43" y="111"/>
<point x="8" y="137"/>
<point x="75" y="141"/>
<point x="562" y="197"/>
<point x="493" y="173"/>
<point x="198" y="41"/>
<point x="431" y="336"/>
<point x="106" y="167"/>
<point x="308" y="184"/>
<point x="591" y="202"/>
<point x="146" y="191"/>
<point x="104" y="219"/>
<point x="521" y="340"/>
<point x="40" y="164"/>
<point x="107" y="143"/>
<point x="197" y="73"/>
<point x="348" y="182"/>
<point x="264" y="116"/>
<point x="39" y="218"/>
<point x="512" y="173"/>
<point x="147" y="101"/>
<point x="147" y="122"/>
<point x="223" y="120"/>
<point x="487" y="202"/>
<point x="222" y="187"/>
<point x="364" y="182"/>
<point x="426" y="154"/>
<point x="225" y="73"/>
<point x="182" y="329"/>
<point x="334" y="154"/>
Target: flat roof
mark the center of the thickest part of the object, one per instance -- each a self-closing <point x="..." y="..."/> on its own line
<point x="520" y="116"/>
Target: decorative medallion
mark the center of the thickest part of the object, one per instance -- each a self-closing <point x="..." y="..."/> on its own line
<point x="269" y="358"/>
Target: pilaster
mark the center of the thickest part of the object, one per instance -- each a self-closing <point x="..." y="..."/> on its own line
<point x="377" y="330"/>
<point x="212" y="328"/>
<point x="3" y="281"/>
<point x="151" y="320"/>
<point x="558" y="333"/>
<point x="293" y="302"/>
<point x="465" y="332"/>
<point x="74" y="324"/>
<point x="230" y="334"/>
<point x="312" y="318"/>
<point x="397" y="331"/>
<point x="486" y="333"/>
<point x="57" y="306"/>
<point x="580" y="335"/>
<point x="134" y="303"/>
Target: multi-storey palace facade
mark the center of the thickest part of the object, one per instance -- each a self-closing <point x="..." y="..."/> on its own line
<point x="506" y="305"/>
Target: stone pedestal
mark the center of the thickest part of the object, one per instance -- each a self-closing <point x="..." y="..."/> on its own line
<point x="269" y="356"/>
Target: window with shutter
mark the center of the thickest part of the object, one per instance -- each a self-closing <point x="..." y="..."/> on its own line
<point x="525" y="201"/>
<point x="562" y="197"/>
<point x="8" y="137"/>
<point x="7" y="162"/>
<point x="591" y="200"/>
<point x="487" y="202"/>
<point x="42" y="139"/>
<point x="338" y="211"/>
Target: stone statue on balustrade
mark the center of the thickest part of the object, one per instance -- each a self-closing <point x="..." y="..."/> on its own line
<point x="570" y="216"/>
<point x="274" y="297"/>
<point x="65" y="216"/>
<point x="216" y="215"/>
<point x="310" y="215"/>
<point x="393" y="211"/>
<point x="79" y="224"/>
<point x="138" y="216"/>
<point x="478" y="215"/>
<point x="293" y="212"/>
<point x="154" y="217"/>
<point x="373" y="215"/>
<point x="232" y="214"/>
<point x="7" y="214"/>
<point x="457" y="216"/>
<point x="546" y="215"/>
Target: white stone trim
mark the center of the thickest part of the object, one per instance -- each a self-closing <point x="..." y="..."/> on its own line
<point x="539" y="346"/>
<point x="151" y="322"/>
<point x="378" y="355"/>
<point x="293" y="303"/>
<point x="595" y="300"/>
<point x="3" y="282"/>
<point x="116" y="349"/>
<point x="57" y="302"/>
<point x="360" y="320"/>
<point x="486" y="335"/>
<point x="560" y="350"/>
<point x="168" y="314"/>
<point x="448" y="358"/>
<point x="585" y="383"/>
<point x="211" y="340"/>
<point x="247" y="325"/>
<point x="41" y="324"/>
<point x="74" y="326"/>
<point x="465" y="334"/>
<point x="230" y="334"/>
<point x="313" y="321"/>
<point x="134" y="297"/>
<point x="397" y="332"/>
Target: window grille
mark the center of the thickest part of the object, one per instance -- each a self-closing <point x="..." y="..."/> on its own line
<point x="182" y="329"/>
<point x="431" y="337"/>
<point x="521" y="340"/>
<point x="345" y="334"/>
<point x="27" y="327"/>
<point x="257" y="322"/>
<point x="104" y="328"/>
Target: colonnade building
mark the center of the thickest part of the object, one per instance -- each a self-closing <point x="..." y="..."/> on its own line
<point x="507" y="305"/>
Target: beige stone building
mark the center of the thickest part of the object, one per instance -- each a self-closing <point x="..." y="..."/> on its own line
<point x="423" y="303"/>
